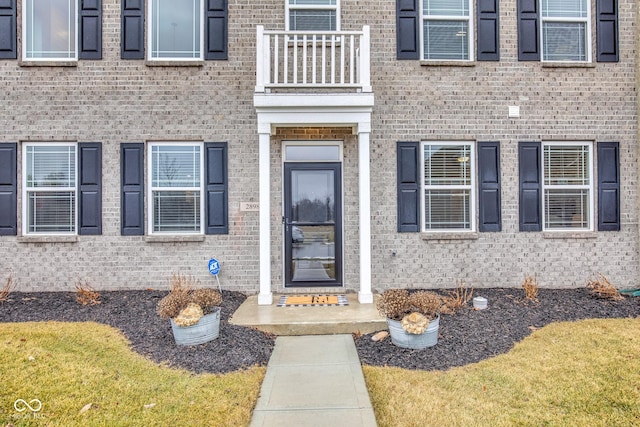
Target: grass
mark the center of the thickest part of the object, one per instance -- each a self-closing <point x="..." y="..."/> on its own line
<point x="566" y="374"/>
<point x="67" y="366"/>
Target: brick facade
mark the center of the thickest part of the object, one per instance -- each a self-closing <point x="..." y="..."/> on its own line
<point x="114" y="101"/>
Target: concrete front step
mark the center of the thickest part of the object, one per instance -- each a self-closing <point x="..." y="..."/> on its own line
<point x="313" y="320"/>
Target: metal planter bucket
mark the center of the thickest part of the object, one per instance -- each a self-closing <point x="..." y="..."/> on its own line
<point x="207" y="329"/>
<point x="402" y="338"/>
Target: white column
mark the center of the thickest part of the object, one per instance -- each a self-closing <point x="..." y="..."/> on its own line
<point x="265" y="297"/>
<point x="364" y="295"/>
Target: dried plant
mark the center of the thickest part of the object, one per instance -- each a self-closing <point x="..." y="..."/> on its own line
<point x="6" y="290"/>
<point x="530" y="286"/>
<point x="206" y="298"/>
<point x="415" y="323"/>
<point x="427" y="303"/>
<point x="86" y="295"/>
<point x="602" y="288"/>
<point x="182" y="293"/>
<point x="394" y="303"/>
<point x="457" y="298"/>
<point x="189" y="316"/>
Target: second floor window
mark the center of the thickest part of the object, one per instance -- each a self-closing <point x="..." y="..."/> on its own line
<point x="446" y="30"/>
<point x="49" y="28"/>
<point x="565" y="30"/>
<point x="175" y="29"/>
<point x="313" y="15"/>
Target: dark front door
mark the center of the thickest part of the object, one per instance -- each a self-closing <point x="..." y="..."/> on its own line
<point x="313" y="224"/>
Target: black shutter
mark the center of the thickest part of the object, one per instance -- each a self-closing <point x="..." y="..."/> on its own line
<point x="8" y="29"/>
<point x="408" y="187"/>
<point x="530" y="186"/>
<point x="607" y="30"/>
<point x="407" y="21"/>
<point x="132" y="189"/>
<point x="132" y="29"/>
<point x="90" y="17"/>
<point x="8" y="189"/>
<point x="608" y="186"/>
<point x="216" y="29"/>
<point x="488" y="30"/>
<point x="489" y="186"/>
<point x="528" y="31"/>
<point x="216" y="209"/>
<point x="90" y="188"/>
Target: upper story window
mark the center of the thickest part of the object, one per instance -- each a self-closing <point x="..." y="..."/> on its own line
<point x="49" y="29"/>
<point x="312" y="15"/>
<point x="448" y="194"/>
<point x="49" y="188"/>
<point x="447" y="30"/>
<point x="566" y="30"/>
<point x="175" y="29"/>
<point x="175" y="176"/>
<point x="567" y="186"/>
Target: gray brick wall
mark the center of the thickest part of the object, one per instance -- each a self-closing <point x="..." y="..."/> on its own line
<point x="114" y="101"/>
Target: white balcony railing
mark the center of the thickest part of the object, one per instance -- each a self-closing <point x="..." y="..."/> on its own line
<point x="323" y="60"/>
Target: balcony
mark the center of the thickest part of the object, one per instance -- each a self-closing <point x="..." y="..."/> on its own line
<point x="303" y="62"/>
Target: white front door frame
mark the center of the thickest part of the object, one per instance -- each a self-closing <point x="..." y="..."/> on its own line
<point x="346" y="110"/>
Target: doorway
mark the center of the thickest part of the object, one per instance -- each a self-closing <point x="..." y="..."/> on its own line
<point x="312" y="224"/>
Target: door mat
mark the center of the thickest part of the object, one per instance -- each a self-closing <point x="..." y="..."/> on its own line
<point x="312" y="300"/>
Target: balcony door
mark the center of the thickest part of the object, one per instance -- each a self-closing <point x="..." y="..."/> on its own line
<point x="313" y="224"/>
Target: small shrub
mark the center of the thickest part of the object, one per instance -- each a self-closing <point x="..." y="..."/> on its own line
<point x="602" y="288"/>
<point x="178" y="297"/>
<point x="457" y="298"/>
<point x="184" y="291"/>
<point x="530" y="286"/>
<point x="206" y="299"/>
<point x="394" y="303"/>
<point x="6" y="290"/>
<point x="86" y="295"/>
<point x="427" y="303"/>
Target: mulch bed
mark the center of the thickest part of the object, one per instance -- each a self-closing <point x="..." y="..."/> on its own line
<point x="134" y="313"/>
<point x="473" y="335"/>
<point x="466" y="337"/>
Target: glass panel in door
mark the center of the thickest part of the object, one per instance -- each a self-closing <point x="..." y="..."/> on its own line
<point x="312" y="220"/>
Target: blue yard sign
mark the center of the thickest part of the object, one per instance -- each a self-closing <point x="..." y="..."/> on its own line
<point x="214" y="269"/>
<point x="214" y="266"/>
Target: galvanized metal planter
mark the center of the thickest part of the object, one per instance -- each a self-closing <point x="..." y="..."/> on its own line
<point x="207" y="329"/>
<point x="402" y="338"/>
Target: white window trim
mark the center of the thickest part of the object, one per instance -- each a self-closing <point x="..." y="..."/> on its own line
<point x="25" y="27"/>
<point x="588" y="41"/>
<point x="288" y="7"/>
<point x="572" y="187"/>
<point x="473" y="210"/>
<point x="149" y="183"/>
<point x="470" y="19"/>
<point x="25" y="200"/>
<point x="150" y="35"/>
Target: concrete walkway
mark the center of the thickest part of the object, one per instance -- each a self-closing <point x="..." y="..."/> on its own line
<point x="314" y="381"/>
